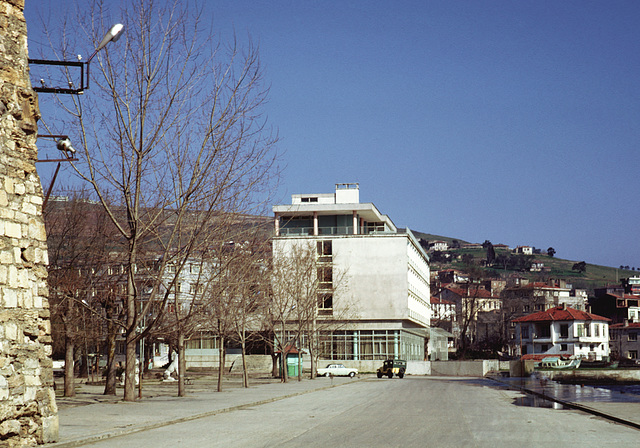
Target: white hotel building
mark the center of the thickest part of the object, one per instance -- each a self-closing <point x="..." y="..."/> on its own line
<point x="384" y="274"/>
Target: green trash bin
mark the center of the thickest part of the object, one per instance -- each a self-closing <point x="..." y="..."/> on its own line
<point x="292" y="365"/>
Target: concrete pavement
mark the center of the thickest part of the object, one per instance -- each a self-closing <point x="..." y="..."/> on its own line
<point x="90" y="416"/>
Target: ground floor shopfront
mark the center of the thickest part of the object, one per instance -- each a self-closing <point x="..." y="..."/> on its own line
<point x="365" y="345"/>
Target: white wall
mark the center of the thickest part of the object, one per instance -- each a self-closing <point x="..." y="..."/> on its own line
<point x="375" y="270"/>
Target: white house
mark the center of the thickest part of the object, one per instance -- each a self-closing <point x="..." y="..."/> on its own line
<point x="438" y="245"/>
<point x="526" y="250"/>
<point x="385" y="274"/>
<point x="563" y="331"/>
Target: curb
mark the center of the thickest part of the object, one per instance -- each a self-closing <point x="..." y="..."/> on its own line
<point x="118" y="433"/>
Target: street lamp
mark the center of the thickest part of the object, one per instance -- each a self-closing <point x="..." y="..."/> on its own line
<point x="112" y="35"/>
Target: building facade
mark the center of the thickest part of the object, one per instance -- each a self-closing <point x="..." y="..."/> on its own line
<point x="380" y="300"/>
<point x="624" y="341"/>
<point x="519" y="301"/>
<point x="563" y="331"/>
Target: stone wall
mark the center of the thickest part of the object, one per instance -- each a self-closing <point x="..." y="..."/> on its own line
<point x="28" y="412"/>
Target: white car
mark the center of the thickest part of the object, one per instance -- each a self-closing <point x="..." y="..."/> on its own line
<point x="337" y="370"/>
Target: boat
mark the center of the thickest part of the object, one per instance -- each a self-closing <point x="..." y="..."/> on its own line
<point x="586" y="364"/>
<point x="560" y="364"/>
<point x="553" y="362"/>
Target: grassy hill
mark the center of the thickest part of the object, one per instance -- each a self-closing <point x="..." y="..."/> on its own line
<point x="557" y="268"/>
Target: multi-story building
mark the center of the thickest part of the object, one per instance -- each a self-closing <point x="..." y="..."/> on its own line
<point x="634" y="285"/>
<point x="623" y="339"/>
<point x="523" y="300"/>
<point x="563" y="331"/>
<point x="617" y="306"/>
<point x="384" y="274"/>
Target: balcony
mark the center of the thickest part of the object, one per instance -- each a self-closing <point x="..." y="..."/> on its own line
<point x="323" y="231"/>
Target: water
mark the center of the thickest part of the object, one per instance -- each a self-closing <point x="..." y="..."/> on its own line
<point x="574" y="393"/>
<point x="537" y="402"/>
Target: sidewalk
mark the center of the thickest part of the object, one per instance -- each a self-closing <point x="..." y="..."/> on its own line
<point x="91" y="416"/>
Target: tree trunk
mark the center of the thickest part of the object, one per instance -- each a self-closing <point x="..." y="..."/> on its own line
<point x="130" y="368"/>
<point x="83" y="371"/>
<point x="274" y="365"/>
<point x="69" y="379"/>
<point x="245" y="374"/>
<point x="313" y="346"/>
<point x="130" y="365"/>
<point x="110" y="381"/>
<point x="283" y="363"/>
<point x="221" y="363"/>
<point x="182" y="364"/>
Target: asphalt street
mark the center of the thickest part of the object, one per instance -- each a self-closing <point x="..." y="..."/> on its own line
<point x="409" y="412"/>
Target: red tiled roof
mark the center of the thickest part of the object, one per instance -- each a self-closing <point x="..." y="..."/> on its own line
<point x="559" y="313"/>
<point x="438" y="301"/>
<point x="629" y="325"/>
<point x="625" y="296"/>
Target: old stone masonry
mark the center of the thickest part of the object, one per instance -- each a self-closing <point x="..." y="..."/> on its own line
<point x="28" y="413"/>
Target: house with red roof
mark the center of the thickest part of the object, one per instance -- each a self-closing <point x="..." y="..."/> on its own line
<point x="522" y="300"/>
<point x="563" y="331"/>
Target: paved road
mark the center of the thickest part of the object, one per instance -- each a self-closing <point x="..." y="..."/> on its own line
<point x="409" y="412"/>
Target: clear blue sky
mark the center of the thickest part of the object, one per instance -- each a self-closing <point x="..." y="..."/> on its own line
<point x="512" y="121"/>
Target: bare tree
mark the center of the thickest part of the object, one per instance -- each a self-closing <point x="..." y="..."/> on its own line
<point x="304" y="282"/>
<point x="77" y="232"/>
<point x="251" y="293"/>
<point x="173" y="126"/>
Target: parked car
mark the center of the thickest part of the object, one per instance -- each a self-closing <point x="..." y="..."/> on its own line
<point x="391" y="367"/>
<point x="337" y="370"/>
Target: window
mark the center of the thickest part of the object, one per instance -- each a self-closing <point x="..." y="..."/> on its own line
<point x="196" y="288"/>
<point x="526" y="308"/>
<point x="633" y="354"/>
<point x="543" y="331"/>
<point x="564" y="331"/>
<point x="325" y="301"/>
<point x="587" y="330"/>
<point x="171" y="268"/>
<point x="524" y="331"/>
<point x="309" y="199"/>
<point x="325" y="277"/>
<point x="325" y="251"/>
<point x="563" y="347"/>
<point x="539" y="307"/>
<point x="633" y="336"/>
<point x="195" y="268"/>
<point x="613" y="336"/>
<point x="596" y="330"/>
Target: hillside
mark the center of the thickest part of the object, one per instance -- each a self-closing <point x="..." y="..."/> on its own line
<point x="594" y="276"/>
